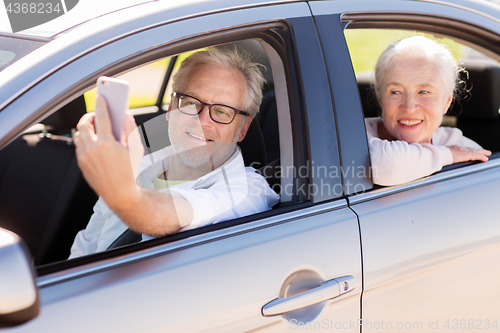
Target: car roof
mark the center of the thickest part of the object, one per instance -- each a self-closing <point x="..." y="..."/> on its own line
<point x="122" y="11"/>
<point x="85" y="10"/>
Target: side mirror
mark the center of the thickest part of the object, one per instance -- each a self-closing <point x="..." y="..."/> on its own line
<point x="19" y="300"/>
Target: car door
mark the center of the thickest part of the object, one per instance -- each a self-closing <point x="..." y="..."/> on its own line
<point x="296" y="266"/>
<point x="423" y="240"/>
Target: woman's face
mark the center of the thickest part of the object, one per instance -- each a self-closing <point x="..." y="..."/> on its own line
<point x="414" y="99"/>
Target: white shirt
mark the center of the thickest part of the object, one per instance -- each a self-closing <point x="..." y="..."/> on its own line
<point x="397" y="162"/>
<point x="228" y="192"/>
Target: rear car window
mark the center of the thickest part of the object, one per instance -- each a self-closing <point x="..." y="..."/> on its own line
<point x="12" y="49"/>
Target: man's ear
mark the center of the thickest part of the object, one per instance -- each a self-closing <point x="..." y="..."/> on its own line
<point x="168" y="111"/>
<point x="244" y="129"/>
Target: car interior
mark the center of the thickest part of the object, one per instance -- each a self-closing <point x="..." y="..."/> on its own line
<point x="40" y="168"/>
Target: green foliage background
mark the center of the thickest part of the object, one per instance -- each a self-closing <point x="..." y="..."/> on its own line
<point x="366" y="45"/>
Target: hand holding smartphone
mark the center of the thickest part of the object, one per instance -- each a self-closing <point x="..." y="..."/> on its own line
<point x="115" y="91"/>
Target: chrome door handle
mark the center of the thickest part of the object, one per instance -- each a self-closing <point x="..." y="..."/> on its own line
<point x="325" y="291"/>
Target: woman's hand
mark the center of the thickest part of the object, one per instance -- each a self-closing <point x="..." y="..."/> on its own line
<point x="463" y="154"/>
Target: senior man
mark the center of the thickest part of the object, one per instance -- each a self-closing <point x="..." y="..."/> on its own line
<point x="199" y="179"/>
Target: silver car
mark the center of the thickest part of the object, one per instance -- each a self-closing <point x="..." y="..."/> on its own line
<point x="337" y="253"/>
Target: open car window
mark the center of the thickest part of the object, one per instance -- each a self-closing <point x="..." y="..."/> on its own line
<point x="63" y="202"/>
<point x="475" y="111"/>
<point x="145" y="85"/>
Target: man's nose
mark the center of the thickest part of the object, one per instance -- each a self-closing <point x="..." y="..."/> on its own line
<point x="204" y="115"/>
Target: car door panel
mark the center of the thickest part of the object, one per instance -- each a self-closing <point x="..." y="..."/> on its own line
<point x="421" y="241"/>
<point x="424" y="245"/>
<point x="215" y="283"/>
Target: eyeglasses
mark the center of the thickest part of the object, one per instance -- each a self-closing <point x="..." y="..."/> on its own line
<point x="219" y="113"/>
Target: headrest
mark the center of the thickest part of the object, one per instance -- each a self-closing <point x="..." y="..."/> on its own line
<point x="369" y="101"/>
<point x="252" y="146"/>
<point x="68" y="116"/>
<point x="484" y="99"/>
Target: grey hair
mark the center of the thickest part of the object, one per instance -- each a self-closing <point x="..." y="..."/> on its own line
<point x="420" y="47"/>
<point x="229" y="59"/>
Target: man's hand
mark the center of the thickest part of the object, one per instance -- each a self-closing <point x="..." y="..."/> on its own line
<point x="108" y="165"/>
<point x="462" y="154"/>
<point x="110" y="168"/>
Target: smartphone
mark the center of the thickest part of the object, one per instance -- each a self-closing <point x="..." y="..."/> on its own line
<point x="115" y="91"/>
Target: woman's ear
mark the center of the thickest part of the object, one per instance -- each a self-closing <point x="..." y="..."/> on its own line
<point x="381" y="110"/>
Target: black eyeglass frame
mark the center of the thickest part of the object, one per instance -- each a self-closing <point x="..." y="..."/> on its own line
<point x="236" y="111"/>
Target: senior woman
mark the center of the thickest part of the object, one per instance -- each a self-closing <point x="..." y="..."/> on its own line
<point x="415" y="83"/>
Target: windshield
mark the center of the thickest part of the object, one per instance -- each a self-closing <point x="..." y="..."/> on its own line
<point x="13" y="49"/>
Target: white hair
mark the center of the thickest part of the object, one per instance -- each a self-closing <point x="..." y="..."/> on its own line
<point x="420" y="47"/>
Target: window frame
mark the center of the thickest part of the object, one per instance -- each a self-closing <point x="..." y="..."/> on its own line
<point x="480" y="38"/>
<point x="268" y="33"/>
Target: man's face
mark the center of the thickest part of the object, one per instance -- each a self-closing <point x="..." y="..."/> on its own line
<point x="198" y="141"/>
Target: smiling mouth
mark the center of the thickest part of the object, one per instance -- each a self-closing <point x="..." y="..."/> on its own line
<point x="410" y="122"/>
<point x="197" y="137"/>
